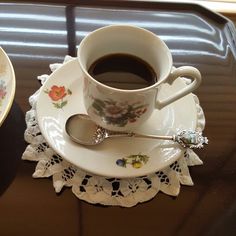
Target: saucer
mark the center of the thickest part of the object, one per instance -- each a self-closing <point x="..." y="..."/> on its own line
<point x="62" y="96"/>
<point x="7" y="85"/>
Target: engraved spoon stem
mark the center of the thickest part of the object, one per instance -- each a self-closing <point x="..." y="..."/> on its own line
<point x="111" y="134"/>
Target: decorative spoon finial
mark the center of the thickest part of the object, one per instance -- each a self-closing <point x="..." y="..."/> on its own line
<point x="190" y="139"/>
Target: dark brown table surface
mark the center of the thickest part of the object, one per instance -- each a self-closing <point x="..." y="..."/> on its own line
<point x="35" y="36"/>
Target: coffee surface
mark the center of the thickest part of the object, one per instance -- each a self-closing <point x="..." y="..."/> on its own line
<point x="123" y="71"/>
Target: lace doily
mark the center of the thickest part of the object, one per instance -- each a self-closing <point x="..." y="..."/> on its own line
<point x="97" y="189"/>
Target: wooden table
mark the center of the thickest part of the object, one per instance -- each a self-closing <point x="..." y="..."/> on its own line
<point x="35" y="36"/>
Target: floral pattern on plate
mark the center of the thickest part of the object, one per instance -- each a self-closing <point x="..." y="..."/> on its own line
<point x="2" y="69"/>
<point x="137" y="161"/>
<point x="3" y="91"/>
<point x="117" y="113"/>
<point x="58" y="95"/>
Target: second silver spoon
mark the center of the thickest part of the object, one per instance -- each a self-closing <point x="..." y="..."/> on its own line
<point x="83" y="130"/>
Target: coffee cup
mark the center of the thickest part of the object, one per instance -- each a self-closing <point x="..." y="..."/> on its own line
<point x="123" y="67"/>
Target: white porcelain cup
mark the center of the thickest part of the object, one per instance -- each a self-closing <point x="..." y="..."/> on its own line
<point x="120" y="109"/>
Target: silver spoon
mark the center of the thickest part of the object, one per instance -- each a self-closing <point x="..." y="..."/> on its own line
<point x="83" y="130"/>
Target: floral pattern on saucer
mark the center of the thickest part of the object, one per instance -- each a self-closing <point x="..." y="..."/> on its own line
<point x="118" y="113"/>
<point x="3" y="91"/>
<point x="58" y="95"/>
<point x="137" y="161"/>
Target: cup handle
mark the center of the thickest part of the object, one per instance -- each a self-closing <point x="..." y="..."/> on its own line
<point x="183" y="71"/>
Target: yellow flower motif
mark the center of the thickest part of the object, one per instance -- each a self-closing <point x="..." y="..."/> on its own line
<point x="137" y="164"/>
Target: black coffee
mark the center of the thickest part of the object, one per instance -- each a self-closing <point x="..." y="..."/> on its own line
<point x="123" y="71"/>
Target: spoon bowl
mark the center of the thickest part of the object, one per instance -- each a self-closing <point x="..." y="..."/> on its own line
<point x="81" y="129"/>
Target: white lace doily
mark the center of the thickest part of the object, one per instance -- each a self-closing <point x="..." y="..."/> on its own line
<point x="97" y="189"/>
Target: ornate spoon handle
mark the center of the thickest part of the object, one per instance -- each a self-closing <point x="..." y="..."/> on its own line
<point x="187" y="139"/>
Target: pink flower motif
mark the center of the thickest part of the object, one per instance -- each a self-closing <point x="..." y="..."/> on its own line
<point x="115" y="111"/>
<point x="2" y="93"/>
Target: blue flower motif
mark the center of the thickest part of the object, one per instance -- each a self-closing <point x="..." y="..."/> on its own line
<point x="121" y="162"/>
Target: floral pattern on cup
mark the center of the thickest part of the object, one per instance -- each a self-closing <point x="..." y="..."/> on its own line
<point x="136" y="161"/>
<point x="58" y="95"/>
<point x="3" y="91"/>
<point x="118" y="113"/>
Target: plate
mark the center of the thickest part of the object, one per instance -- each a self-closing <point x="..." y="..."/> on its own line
<point x="62" y="96"/>
<point x="7" y="85"/>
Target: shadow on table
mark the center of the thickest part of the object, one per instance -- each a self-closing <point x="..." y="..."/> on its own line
<point x="12" y="145"/>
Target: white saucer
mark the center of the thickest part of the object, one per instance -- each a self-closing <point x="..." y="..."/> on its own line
<point x="104" y="158"/>
<point x="7" y="85"/>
